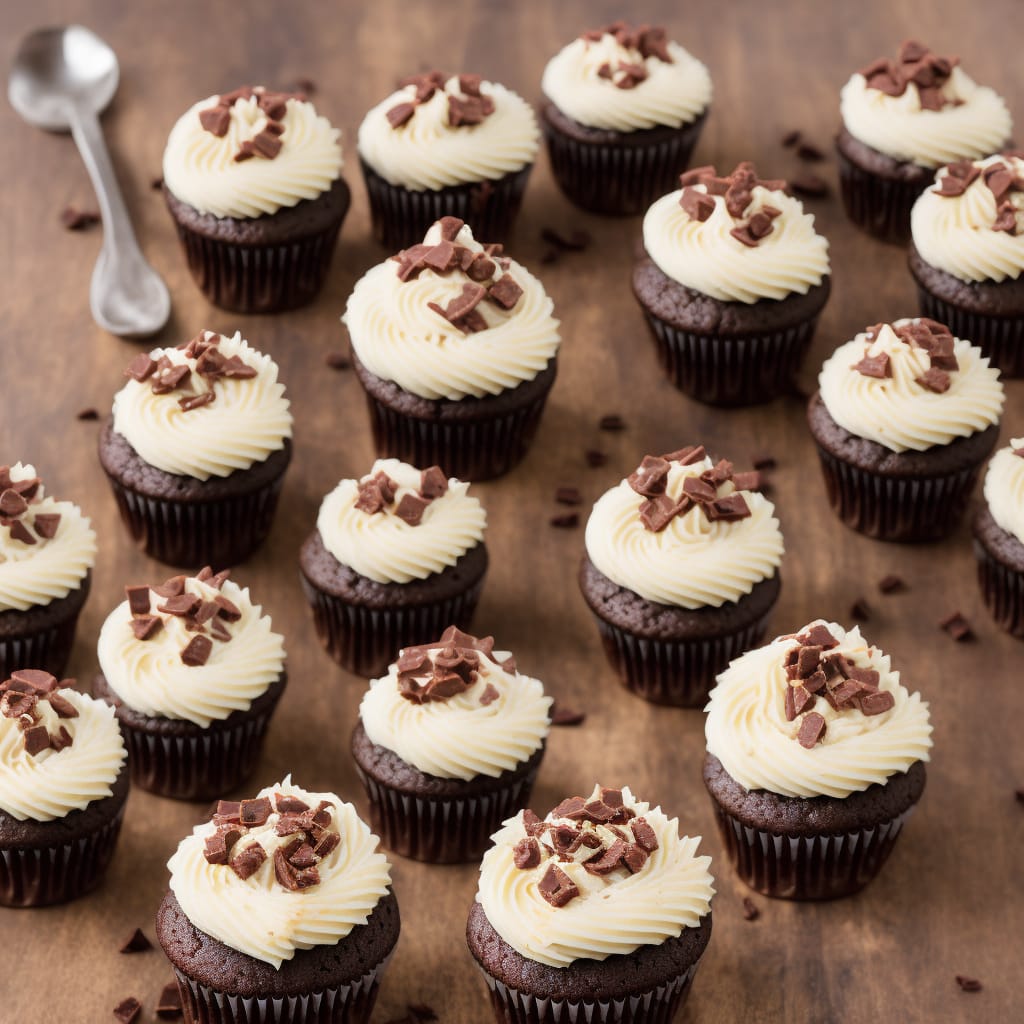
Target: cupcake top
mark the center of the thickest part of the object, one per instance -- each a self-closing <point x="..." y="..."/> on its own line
<point x="452" y="318"/>
<point x="910" y="385"/>
<point x="597" y="877"/>
<point x="206" y="408"/>
<point x="251" y="152"/>
<point x="437" y="131"/>
<point x="457" y="708"/>
<point x="399" y="523"/>
<point x="193" y="648"/>
<point x="1004" y="488"/>
<point x="970" y="223"/>
<point x="284" y="871"/>
<point x="924" y="109"/>
<point x="625" y="79"/>
<point x="815" y="713"/>
<point x="47" y="547"/>
<point x="683" y="530"/>
<point x="59" y="749"/>
<point x="737" y="238"/>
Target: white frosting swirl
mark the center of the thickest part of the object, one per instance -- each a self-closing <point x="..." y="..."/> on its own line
<point x="954" y="233"/>
<point x="747" y="731"/>
<point x="397" y="337"/>
<point x="896" y="411"/>
<point x="704" y="256"/>
<point x="672" y="94"/>
<point x="36" y="574"/>
<point x="259" y="917"/>
<point x="692" y="563"/>
<point x="1004" y="488"/>
<point x="200" y="169"/>
<point x="150" y="677"/>
<point x="246" y="423"/>
<point x="50" y="784"/>
<point x="614" y="914"/>
<point x="973" y="125"/>
<point x="428" y="153"/>
<point x="387" y="549"/>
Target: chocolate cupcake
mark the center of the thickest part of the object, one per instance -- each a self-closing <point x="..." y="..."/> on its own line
<point x="194" y="672"/>
<point x="396" y="556"/>
<point x="967" y="256"/>
<point x="196" y="450"/>
<point x="455" y="346"/>
<point x="902" y="119"/>
<point x="680" y="573"/>
<point x="624" y="109"/>
<point x="253" y="183"/>
<point x="441" y="146"/>
<point x="815" y="760"/>
<point x="903" y="419"/>
<point x="47" y="550"/>
<point x="280" y="911"/>
<point x="732" y="281"/>
<point x="63" y="786"/>
<point x="448" y="746"/>
<point x="600" y="912"/>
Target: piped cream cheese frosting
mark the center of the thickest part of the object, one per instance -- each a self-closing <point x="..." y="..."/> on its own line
<point x="645" y="883"/>
<point x="885" y="385"/>
<point x="749" y="729"/>
<point x="47" y="547"/>
<point x="202" y="166"/>
<point x="258" y="914"/>
<point x="163" y="412"/>
<point x="1004" y="488"/>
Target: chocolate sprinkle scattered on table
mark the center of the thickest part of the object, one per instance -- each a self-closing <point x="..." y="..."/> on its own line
<point x="136" y="943"/>
<point x="860" y="610"/>
<point x="611" y="422"/>
<point x="957" y="626"/>
<point x="809" y="152"/>
<point x="891" y="584"/>
<point x="750" y="911"/>
<point x="168" y="1006"/>
<point x="968" y="984"/>
<point x="563" y="715"/>
<point x="88" y="413"/>
<point x="568" y="495"/>
<point x="809" y="186"/>
<point x="127" y="1011"/>
<point x="790" y="139"/>
<point x="78" y="220"/>
<point x="565" y="521"/>
<point x="576" y="241"/>
<point x="595" y="458"/>
<point x="338" y="361"/>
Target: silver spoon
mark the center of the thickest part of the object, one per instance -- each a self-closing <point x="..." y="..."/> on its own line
<point x="61" y="79"/>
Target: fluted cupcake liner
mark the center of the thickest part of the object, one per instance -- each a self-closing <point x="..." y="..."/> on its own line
<point x="880" y="206"/>
<point x="1002" y="589"/>
<point x="48" y="647"/>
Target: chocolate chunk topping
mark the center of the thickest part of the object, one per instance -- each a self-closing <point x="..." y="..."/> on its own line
<point x="650" y="476"/>
<point x="935" y="380"/>
<point x="45" y="524"/>
<point x="215" y="120"/>
<point x="62" y="706"/>
<point x="411" y="508"/>
<point x="400" y="114"/>
<point x="697" y="205"/>
<point x="737" y="190"/>
<point x="490" y="695"/>
<point x="181" y="604"/>
<point x="170" y="588"/>
<point x="36" y="739"/>
<point x="138" y="599"/>
<point x="197" y="651"/>
<point x="141" y="368"/>
<point x="505" y="292"/>
<point x="127" y="1011"/>
<point x="557" y="887"/>
<point x="452" y="670"/>
<point x="12" y="504"/>
<point x="916" y="65"/>
<point x="645" y="836"/>
<point x="874" y="366"/>
<point x="526" y="853"/>
<point x="217" y="848"/>
<point x="818" y="636"/>
<point x="136" y="943"/>
<point x="461" y="305"/>
<point x="957" y="626"/>
<point x="812" y="729"/>
<point x="876" y="703"/>
<point x="146" y="626"/>
<point x="252" y="813"/>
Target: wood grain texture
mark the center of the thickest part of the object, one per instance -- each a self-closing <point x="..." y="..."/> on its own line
<point x="949" y="902"/>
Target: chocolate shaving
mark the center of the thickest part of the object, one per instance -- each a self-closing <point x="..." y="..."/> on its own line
<point x="556" y="887"/>
<point x="411" y="508"/>
<point x="505" y="292"/>
<point x="255" y="812"/>
<point x="874" y="366"/>
<point x="812" y="729"/>
<point x="916" y="65"/>
<point x="62" y="706"/>
<point x="526" y="853"/>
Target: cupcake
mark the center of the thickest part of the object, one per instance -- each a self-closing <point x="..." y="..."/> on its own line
<point x="196" y="450"/>
<point x="194" y="672"/>
<point x="441" y="146"/>
<point x="455" y="347"/>
<point x="600" y="912"/>
<point x="680" y="573"/>
<point x="732" y="280"/>
<point x="280" y="911"/>
<point x="999" y="538"/>
<point x="253" y="183"/>
<point x="815" y="760"/>
<point x="396" y="556"/>
<point x="63" y="786"/>
<point x="47" y="550"/>
<point x="967" y="256"/>
<point x="623" y="110"/>
<point x="448" y="746"/>
<point x="903" y="419"/>
<point x="902" y="119"/>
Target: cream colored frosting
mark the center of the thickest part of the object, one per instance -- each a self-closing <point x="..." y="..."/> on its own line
<point x="672" y="94"/>
<point x="704" y="256"/>
<point x="150" y="677"/>
<point x="692" y="563"/>
<point x="397" y="337"/>
<point x="614" y="914"/>
<point x="200" y="169"/>
<point x="385" y="548"/>
<point x="973" y="125"/>
<point x="954" y="233"/>
<point x="1004" y="488"/>
<point x="50" y="784"/>
<point x="428" y="153"/>
<point x="896" y="411"/>
<point x="246" y="423"/>
<point x="36" y="574"/>
<point x="747" y="731"/>
<point x="260" y="918"/>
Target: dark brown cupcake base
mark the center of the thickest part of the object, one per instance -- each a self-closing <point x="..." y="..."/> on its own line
<point x="1000" y="558"/>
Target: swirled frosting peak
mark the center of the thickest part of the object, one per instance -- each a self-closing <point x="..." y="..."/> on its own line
<point x="1004" y="488"/>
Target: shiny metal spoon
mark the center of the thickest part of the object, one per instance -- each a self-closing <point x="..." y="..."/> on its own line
<point x="61" y="79"/>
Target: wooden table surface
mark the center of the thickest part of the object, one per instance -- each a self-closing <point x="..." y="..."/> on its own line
<point x="950" y="900"/>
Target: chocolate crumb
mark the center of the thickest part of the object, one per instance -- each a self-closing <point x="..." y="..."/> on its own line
<point x="860" y="610"/>
<point x="78" y="220"/>
<point x="809" y="186"/>
<point x="790" y="139"/>
<point x="595" y="459"/>
<point x="168" y="1006"/>
<point x="568" y="496"/>
<point x="750" y="911"/>
<point x="566" y="521"/>
<point x="136" y="943"/>
<point x="89" y="413"/>
<point x="957" y="626"/>
<point x="561" y="714"/>
<point x="611" y="422"/>
<point x="127" y="1011"/>
<point x="891" y="584"/>
<point x="338" y="361"/>
<point x="968" y="984"/>
<point x="810" y="153"/>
